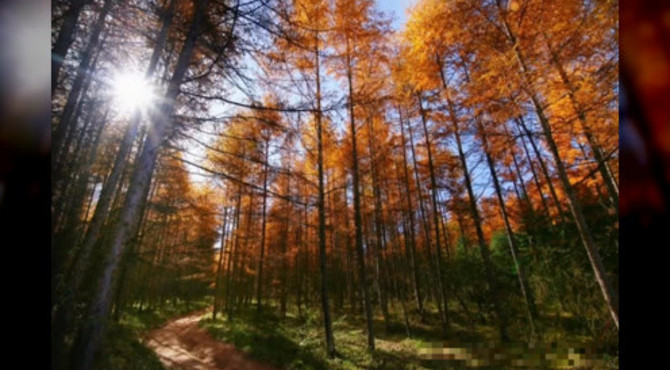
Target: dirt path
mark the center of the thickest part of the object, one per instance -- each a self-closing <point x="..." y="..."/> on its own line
<point x="181" y="344"/>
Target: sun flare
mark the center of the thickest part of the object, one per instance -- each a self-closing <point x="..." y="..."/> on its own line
<point x="132" y="91"/>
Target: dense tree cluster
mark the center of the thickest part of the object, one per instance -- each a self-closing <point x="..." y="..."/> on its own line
<point x="461" y="172"/>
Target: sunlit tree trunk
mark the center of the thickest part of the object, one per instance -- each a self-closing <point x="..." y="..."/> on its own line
<point x="217" y="279"/>
<point x="106" y="193"/>
<point x="162" y="121"/>
<point x="232" y="270"/>
<point x="351" y="279"/>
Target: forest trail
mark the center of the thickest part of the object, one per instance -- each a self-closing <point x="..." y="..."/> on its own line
<point x="182" y="344"/>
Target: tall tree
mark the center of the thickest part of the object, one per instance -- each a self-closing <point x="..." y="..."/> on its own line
<point x="354" y="32"/>
<point x="92" y="334"/>
<point x="65" y="38"/>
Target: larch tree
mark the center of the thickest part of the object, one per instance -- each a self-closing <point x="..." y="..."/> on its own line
<point x="355" y="29"/>
<point x="93" y="331"/>
<point x="307" y="22"/>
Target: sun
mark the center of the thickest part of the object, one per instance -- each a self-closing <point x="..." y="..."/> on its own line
<point x="132" y="92"/>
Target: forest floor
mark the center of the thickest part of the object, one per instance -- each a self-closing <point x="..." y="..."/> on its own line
<point x="183" y="335"/>
<point x="183" y="344"/>
<point x="296" y="342"/>
<point x="124" y="347"/>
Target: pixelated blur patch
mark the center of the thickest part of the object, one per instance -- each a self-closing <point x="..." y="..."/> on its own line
<point x="531" y="354"/>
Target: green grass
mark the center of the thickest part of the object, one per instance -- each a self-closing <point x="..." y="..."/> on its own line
<point x="123" y="348"/>
<point x="139" y="322"/>
<point x="298" y="343"/>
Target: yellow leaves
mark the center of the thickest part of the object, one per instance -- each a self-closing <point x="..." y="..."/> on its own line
<point x="311" y="13"/>
<point x="513" y="5"/>
<point x="276" y="57"/>
<point x="426" y="36"/>
<point x="304" y="64"/>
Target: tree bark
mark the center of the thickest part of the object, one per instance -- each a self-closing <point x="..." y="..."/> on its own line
<point x="543" y="166"/>
<point x="410" y="243"/>
<point x="325" y="307"/>
<point x="382" y="288"/>
<point x="611" y="300"/>
<point x="217" y="280"/>
<point x="483" y="248"/>
<point x="358" y="222"/>
<point x="526" y="291"/>
<point x="162" y="122"/>
<point x="603" y="166"/>
<point x="64" y="39"/>
<point x="422" y="211"/>
<point x="83" y="72"/>
<point x="259" y="286"/>
<point x="442" y="294"/>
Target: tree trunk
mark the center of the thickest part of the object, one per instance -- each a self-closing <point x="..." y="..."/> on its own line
<point x="231" y="271"/>
<point x="259" y="286"/>
<point x="217" y="279"/>
<point x="83" y="72"/>
<point x="378" y="222"/>
<point x="526" y="291"/>
<point x="611" y="300"/>
<point x="358" y="222"/>
<point x="483" y="248"/>
<point x="603" y="166"/>
<point x="545" y="206"/>
<point x="410" y="243"/>
<point x="442" y="295"/>
<point x="106" y="193"/>
<point x="543" y="166"/>
<point x="64" y="39"/>
<point x="63" y="314"/>
<point x="422" y="211"/>
<point x="162" y="122"/>
<point x="330" y="341"/>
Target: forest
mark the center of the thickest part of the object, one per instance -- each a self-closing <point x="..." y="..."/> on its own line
<point x="311" y="184"/>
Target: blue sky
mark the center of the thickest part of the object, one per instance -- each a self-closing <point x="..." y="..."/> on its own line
<point x="397" y="7"/>
<point x="393" y="8"/>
